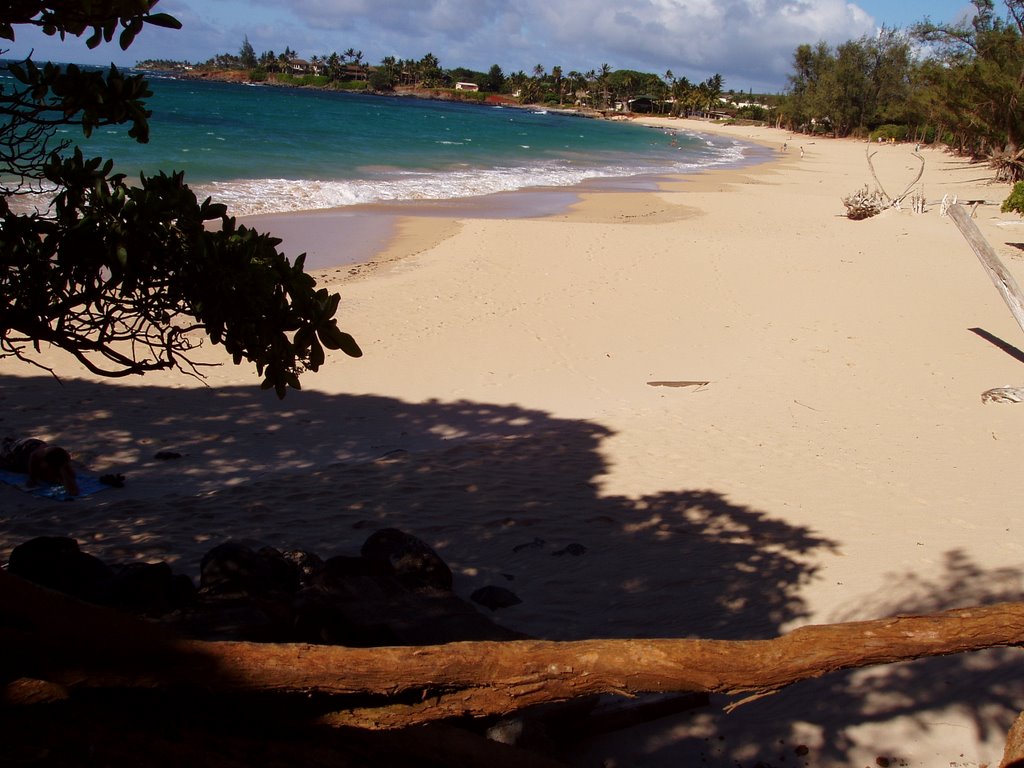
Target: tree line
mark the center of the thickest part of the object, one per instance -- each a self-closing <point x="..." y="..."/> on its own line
<point x="956" y="84"/>
<point x="600" y="87"/>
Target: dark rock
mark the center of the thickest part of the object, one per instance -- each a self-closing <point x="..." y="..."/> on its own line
<point x="357" y="578"/>
<point x="235" y="617"/>
<point x="165" y="455"/>
<point x="435" y="618"/>
<point x="535" y="544"/>
<point x="320" y="618"/>
<point x="572" y="549"/>
<point x="56" y="562"/>
<point x="233" y="568"/>
<point x="307" y="564"/>
<point x="358" y="601"/>
<point x="284" y="571"/>
<point x="413" y="562"/>
<point x="495" y="597"/>
<point x="150" y="589"/>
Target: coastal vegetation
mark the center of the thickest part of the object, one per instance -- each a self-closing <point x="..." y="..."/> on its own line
<point x="130" y="277"/>
<point x="958" y="85"/>
<point x="600" y="89"/>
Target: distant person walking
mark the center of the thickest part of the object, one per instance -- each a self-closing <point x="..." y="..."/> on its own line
<point x="41" y="462"/>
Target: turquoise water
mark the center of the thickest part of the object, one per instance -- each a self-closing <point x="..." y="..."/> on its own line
<point x="264" y="149"/>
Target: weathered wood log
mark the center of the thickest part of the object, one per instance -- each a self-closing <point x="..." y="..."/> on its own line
<point x="893" y="202"/>
<point x="1003" y="395"/>
<point x="994" y="267"/>
<point x="1013" y="754"/>
<point x="1004" y="283"/>
<point x="426" y="683"/>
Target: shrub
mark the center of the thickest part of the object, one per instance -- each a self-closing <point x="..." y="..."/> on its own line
<point x="1015" y="202"/>
<point x="890" y="131"/>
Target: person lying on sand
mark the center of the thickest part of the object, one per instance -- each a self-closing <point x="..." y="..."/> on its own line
<point x="41" y="462"/>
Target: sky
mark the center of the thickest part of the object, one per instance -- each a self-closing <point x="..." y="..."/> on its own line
<point x="749" y="42"/>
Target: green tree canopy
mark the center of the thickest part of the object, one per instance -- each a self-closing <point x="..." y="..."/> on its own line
<point x="130" y="278"/>
<point x="247" y="54"/>
<point x="979" y="86"/>
<point x="856" y="86"/>
<point x="495" y="79"/>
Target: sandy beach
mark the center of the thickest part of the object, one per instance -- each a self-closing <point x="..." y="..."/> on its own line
<point x="752" y="412"/>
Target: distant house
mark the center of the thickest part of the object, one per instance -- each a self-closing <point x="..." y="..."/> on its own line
<point x="467" y="87"/>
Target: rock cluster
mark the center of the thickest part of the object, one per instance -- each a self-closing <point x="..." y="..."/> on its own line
<point x="397" y="591"/>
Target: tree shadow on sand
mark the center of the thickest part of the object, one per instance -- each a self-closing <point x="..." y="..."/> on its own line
<point x="847" y="718"/>
<point x="501" y="493"/>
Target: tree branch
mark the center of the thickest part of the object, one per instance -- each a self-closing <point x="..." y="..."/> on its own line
<point x="421" y="684"/>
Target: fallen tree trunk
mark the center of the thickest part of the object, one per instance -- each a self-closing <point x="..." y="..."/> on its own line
<point x="993" y="265"/>
<point x="1004" y="283"/>
<point x="424" y="683"/>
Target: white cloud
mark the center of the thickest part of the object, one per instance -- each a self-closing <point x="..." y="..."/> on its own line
<point x="751" y="42"/>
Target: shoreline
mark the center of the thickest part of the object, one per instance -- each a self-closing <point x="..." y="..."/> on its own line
<point x="824" y="456"/>
<point x="372" y="229"/>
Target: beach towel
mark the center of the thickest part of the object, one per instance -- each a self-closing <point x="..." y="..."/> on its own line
<point x="87" y="484"/>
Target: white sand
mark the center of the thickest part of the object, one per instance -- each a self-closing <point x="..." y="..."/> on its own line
<point x="839" y="463"/>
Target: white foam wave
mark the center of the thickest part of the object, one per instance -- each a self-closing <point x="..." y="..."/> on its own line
<point x="253" y="196"/>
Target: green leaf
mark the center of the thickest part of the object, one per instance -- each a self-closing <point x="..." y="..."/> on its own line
<point x="164" y="20"/>
<point x="333" y="337"/>
<point x="316" y="355"/>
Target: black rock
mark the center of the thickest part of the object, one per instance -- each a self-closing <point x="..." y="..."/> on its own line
<point x="572" y="549"/>
<point x="495" y="597"/>
<point x="413" y="562"/>
<point x="307" y="565"/>
<point x="357" y="578"/>
<point x="150" y="589"/>
<point x="56" y="562"/>
<point x="233" y="568"/>
<point x="319" y="617"/>
<point x="235" y="617"/>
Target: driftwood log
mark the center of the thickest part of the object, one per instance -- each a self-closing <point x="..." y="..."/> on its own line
<point x="1004" y="282"/>
<point x="893" y="202"/>
<point x="419" y="684"/>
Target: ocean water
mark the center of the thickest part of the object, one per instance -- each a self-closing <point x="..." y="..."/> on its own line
<point x="264" y="149"/>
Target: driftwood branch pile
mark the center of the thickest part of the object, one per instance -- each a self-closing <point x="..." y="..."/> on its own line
<point x="864" y="204"/>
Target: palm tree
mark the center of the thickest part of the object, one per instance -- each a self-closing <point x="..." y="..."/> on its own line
<point x="602" y="81"/>
<point x="390" y="67"/>
<point x="556" y="76"/>
<point x="576" y="82"/>
<point x="333" y="66"/>
<point x="429" y="70"/>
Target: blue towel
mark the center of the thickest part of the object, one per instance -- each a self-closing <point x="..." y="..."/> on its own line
<point x="87" y="484"/>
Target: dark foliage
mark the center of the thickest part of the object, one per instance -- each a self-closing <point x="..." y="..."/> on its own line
<point x="130" y="278"/>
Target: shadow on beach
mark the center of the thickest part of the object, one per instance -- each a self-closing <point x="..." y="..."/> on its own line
<point x="501" y="493"/>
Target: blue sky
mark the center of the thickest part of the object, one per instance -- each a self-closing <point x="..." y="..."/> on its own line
<point x="749" y="42"/>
